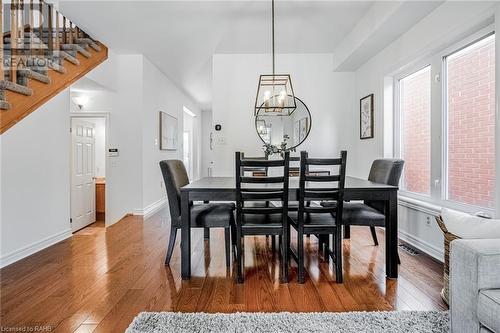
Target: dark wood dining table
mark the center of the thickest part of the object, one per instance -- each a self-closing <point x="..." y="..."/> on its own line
<point x="224" y="189"/>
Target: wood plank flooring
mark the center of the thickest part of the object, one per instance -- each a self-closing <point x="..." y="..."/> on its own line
<point x="100" y="279"/>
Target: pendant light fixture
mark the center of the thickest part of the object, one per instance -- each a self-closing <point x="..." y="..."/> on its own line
<point x="275" y="95"/>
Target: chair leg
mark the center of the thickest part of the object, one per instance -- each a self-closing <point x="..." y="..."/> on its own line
<point x="323" y="246"/>
<point x="284" y="254"/>
<point x="280" y="244"/>
<point x="171" y="243"/>
<point x="206" y="233"/>
<point x="339" y="277"/>
<point x="233" y="238"/>
<point x="273" y="242"/>
<point x="239" y="256"/>
<point x="347" y="231"/>
<point x="227" y="235"/>
<point x="300" y="255"/>
<point x="374" y="235"/>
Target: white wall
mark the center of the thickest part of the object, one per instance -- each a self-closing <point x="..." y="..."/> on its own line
<point x="133" y="92"/>
<point x="235" y="77"/>
<point x="443" y="27"/>
<point x="160" y="94"/>
<point x="207" y="127"/>
<point x="121" y="98"/>
<point x="35" y="205"/>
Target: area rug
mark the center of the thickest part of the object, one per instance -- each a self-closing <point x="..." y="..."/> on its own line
<point x="345" y="322"/>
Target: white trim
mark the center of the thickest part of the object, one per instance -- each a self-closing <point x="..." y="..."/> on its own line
<point x="420" y="206"/>
<point x="33" y="248"/>
<point x="436" y="253"/>
<point x="151" y="209"/>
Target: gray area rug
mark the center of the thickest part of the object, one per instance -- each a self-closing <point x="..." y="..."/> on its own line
<point x="346" y="322"/>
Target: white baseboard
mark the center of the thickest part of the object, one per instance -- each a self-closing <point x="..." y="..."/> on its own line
<point x="436" y="253"/>
<point x="151" y="209"/>
<point x="33" y="248"/>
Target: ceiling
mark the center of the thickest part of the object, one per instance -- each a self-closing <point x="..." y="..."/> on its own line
<point x="180" y="37"/>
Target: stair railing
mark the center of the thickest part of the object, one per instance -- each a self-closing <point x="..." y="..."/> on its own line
<point x="37" y="33"/>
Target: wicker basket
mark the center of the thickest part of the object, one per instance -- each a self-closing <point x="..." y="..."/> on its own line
<point x="448" y="237"/>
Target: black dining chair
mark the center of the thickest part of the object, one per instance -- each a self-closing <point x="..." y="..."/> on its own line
<point x="320" y="220"/>
<point x="206" y="215"/>
<point x="262" y="220"/>
<point x="371" y="213"/>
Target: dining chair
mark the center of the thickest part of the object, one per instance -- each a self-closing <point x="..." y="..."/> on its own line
<point x="206" y="215"/>
<point x="320" y="220"/>
<point x="371" y="213"/>
<point x="261" y="220"/>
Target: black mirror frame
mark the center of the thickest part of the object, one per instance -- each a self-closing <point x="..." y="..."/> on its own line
<point x="308" y="131"/>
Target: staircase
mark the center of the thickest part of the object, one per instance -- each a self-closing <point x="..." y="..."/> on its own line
<point x="42" y="54"/>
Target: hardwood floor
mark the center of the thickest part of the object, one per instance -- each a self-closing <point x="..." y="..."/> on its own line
<point x="99" y="279"/>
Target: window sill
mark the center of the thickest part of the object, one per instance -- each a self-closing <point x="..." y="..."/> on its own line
<point x="419" y="205"/>
<point x="434" y="209"/>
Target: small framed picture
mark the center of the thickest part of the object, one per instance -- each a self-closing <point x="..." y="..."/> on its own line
<point x="366" y="117"/>
<point x="168" y="132"/>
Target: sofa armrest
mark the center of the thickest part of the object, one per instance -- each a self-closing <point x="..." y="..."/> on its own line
<point x="474" y="265"/>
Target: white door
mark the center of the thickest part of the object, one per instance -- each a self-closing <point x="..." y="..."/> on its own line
<point x="82" y="174"/>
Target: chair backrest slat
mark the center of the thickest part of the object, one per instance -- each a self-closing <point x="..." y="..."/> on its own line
<point x="323" y="161"/>
<point x="332" y="178"/>
<point x="262" y="196"/>
<point x="262" y="180"/>
<point x="261" y="163"/>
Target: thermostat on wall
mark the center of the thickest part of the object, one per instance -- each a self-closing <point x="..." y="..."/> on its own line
<point x="113" y="152"/>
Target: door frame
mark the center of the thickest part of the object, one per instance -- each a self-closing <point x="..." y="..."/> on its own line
<point x="105" y="115"/>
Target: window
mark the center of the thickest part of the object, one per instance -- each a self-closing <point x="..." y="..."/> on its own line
<point x="470" y="113"/>
<point x="445" y="125"/>
<point x="415" y="136"/>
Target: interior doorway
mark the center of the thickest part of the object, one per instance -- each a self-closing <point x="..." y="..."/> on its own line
<point x="88" y="171"/>
<point x="188" y="156"/>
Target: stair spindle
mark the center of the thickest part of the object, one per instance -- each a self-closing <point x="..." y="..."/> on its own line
<point x="57" y="31"/>
<point x="50" y="42"/>
<point x="40" y="27"/>
<point x="21" y="44"/>
<point x="70" y="41"/>
<point x="1" y="45"/>
<point x="31" y="16"/>
<point x="65" y="32"/>
<point x="13" y="41"/>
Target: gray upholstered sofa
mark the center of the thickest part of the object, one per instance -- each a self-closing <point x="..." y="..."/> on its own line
<point x="475" y="286"/>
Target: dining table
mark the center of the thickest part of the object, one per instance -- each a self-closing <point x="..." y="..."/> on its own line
<point x="224" y="189"/>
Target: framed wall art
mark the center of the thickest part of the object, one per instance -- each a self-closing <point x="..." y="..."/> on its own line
<point x="366" y="117"/>
<point x="168" y="132"/>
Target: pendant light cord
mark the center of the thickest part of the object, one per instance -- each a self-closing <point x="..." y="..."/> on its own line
<point x="272" y="3"/>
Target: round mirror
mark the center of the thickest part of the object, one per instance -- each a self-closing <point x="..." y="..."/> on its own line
<point x="291" y="129"/>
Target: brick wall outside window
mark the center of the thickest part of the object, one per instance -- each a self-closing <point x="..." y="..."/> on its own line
<point x="415" y="131"/>
<point x="471" y="124"/>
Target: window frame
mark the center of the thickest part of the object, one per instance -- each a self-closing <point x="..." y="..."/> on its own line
<point x="439" y="123"/>
<point x="457" y="47"/>
<point x="398" y="118"/>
